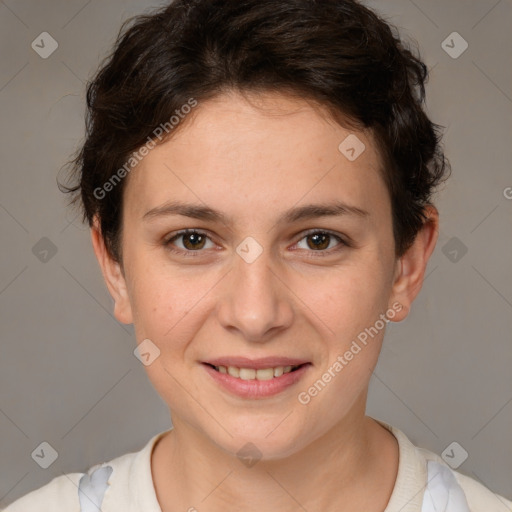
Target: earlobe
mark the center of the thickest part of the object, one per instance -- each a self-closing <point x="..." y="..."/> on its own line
<point x="411" y="266"/>
<point x="113" y="276"/>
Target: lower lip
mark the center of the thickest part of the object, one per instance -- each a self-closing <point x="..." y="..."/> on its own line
<point x="257" y="388"/>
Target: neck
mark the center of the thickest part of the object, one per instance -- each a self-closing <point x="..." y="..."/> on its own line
<point x="351" y="467"/>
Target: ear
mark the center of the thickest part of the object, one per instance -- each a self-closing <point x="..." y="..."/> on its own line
<point x="410" y="268"/>
<point x="113" y="275"/>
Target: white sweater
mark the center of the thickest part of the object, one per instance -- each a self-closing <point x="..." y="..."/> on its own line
<point x="125" y="484"/>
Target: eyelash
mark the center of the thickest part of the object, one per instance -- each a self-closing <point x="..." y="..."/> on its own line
<point x="193" y="254"/>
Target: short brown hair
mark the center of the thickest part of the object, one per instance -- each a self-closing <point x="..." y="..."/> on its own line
<point x="337" y="53"/>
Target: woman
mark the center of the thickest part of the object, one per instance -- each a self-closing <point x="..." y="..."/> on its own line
<point x="258" y="178"/>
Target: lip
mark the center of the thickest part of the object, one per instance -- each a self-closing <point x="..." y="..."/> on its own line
<point x="256" y="364"/>
<point x="256" y="389"/>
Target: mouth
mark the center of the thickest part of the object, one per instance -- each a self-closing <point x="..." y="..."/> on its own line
<point x="270" y="378"/>
<point x="243" y="373"/>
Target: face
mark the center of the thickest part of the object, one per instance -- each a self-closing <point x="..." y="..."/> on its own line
<point x="268" y="277"/>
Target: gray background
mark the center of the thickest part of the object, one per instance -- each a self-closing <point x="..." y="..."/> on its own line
<point x="68" y="375"/>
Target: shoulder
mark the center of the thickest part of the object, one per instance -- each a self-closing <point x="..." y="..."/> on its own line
<point x="74" y="492"/>
<point x="479" y="498"/>
<point x="61" y="493"/>
<point x="121" y="484"/>
<point x="426" y="482"/>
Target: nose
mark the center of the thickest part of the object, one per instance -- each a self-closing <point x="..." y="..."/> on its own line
<point x="255" y="300"/>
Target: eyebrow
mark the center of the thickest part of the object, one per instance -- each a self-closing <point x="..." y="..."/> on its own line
<point x="309" y="211"/>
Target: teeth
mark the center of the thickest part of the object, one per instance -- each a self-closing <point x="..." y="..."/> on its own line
<point x="246" y="373"/>
<point x="251" y="373"/>
<point x="278" y="371"/>
<point x="265" y="374"/>
<point x="233" y="371"/>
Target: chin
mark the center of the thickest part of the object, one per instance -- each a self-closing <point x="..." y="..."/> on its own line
<point x="259" y="443"/>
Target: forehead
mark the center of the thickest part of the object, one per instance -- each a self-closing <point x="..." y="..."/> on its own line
<point x="251" y="155"/>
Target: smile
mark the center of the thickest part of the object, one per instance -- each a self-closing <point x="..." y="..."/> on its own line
<point x="259" y="374"/>
<point x="252" y="383"/>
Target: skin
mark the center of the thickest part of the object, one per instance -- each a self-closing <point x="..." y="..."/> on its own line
<point x="253" y="160"/>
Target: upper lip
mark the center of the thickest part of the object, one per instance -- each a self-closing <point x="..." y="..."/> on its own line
<point x="264" y="362"/>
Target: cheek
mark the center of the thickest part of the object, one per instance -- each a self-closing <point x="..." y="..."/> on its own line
<point x="349" y="299"/>
<point x="351" y="309"/>
<point x="169" y="305"/>
<point x="154" y="300"/>
<point x="159" y="310"/>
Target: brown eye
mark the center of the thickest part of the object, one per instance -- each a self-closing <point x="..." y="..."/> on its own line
<point x="318" y="241"/>
<point x="322" y="242"/>
<point x="192" y="241"/>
